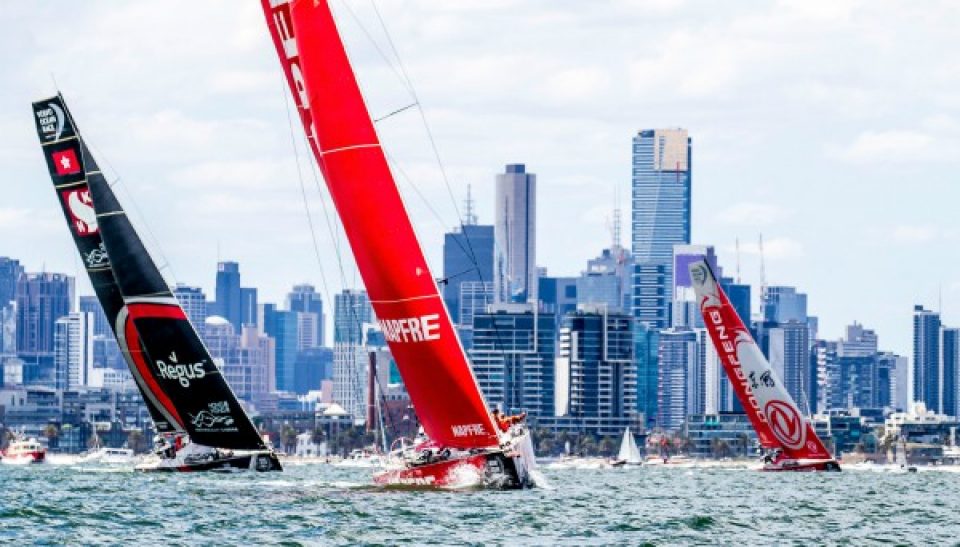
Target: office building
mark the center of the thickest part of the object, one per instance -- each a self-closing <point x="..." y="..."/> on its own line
<point x="91" y="304"/>
<point x="42" y="298"/>
<point x="515" y="270"/>
<point x="73" y="350"/>
<point x="282" y="326"/>
<point x="10" y="272"/>
<point x="926" y="358"/>
<point x="467" y="258"/>
<point x="194" y="304"/>
<point x="513" y="358"/>
<point x="228" y="303"/>
<point x="304" y="299"/>
<point x="606" y="281"/>
<point x="351" y="310"/>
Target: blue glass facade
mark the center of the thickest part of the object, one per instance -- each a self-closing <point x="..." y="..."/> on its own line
<point x="467" y="256"/>
<point x="228" y="304"/>
<point x="282" y="326"/>
<point x="926" y="357"/>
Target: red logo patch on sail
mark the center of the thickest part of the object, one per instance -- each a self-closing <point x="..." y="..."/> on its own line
<point x="65" y="162"/>
<point x="786" y="423"/>
<point x="80" y="206"/>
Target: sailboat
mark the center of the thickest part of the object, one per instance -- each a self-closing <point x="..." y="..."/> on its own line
<point x="789" y="438"/>
<point x="197" y="416"/>
<point x="462" y="443"/>
<point x="629" y="453"/>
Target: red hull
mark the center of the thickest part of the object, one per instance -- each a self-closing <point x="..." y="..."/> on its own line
<point x="802" y="466"/>
<point x="489" y="470"/>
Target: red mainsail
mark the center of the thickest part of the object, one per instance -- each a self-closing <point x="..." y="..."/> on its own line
<point x="402" y="290"/>
<point x="772" y="411"/>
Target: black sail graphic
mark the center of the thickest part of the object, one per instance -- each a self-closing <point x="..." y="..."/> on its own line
<point x="169" y="346"/>
<point x="70" y="165"/>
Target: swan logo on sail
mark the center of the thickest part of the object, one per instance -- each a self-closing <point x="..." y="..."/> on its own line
<point x="412" y="329"/>
<point x="51" y="120"/>
<point x="183" y="373"/>
<point x="786" y="423"/>
<point x="80" y="206"/>
<point x="65" y="162"/>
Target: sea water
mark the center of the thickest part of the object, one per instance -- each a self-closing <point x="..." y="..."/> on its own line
<point x="328" y="505"/>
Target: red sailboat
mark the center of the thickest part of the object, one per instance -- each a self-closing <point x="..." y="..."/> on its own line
<point x="789" y="438"/>
<point x="463" y="442"/>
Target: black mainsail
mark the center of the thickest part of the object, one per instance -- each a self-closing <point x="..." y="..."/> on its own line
<point x="178" y="375"/>
<point x="70" y="165"/>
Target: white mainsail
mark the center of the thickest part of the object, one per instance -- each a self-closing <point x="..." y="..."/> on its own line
<point x="629" y="452"/>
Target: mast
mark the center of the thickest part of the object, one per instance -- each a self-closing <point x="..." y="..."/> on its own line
<point x="402" y="290"/>
<point x="71" y="165"/>
<point x="771" y="410"/>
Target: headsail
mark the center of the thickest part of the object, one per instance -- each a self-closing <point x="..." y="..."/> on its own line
<point x="402" y="290"/>
<point x="71" y="164"/>
<point x="628" y="448"/>
<point x="160" y="340"/>
<point x="772" y="411"/>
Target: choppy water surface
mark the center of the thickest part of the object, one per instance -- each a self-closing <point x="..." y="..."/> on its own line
<point x="326" y="505"/>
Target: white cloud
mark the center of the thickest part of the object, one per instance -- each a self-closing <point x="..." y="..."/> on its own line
<point x="916" y="234"/>
<point x="890" y="146"/>
<point x="752" y="214"/>
<point x="776" y="248"/>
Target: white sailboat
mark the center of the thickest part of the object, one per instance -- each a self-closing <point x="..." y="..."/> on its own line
<point x="629" y="453"/>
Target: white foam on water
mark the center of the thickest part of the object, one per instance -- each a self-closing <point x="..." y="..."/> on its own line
<point x="465" y="476"/>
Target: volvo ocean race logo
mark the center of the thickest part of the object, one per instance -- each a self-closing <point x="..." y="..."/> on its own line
<point x="79" y="204"/>
<point x="216" y="414"/>
<point x="51" y="121"/>
<point x="786" y="423"/>
<point x="183" y="373"/>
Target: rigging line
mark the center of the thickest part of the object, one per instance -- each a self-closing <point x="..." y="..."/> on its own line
<point x="303" y="189"/>
<point x="397" y="111"/>
<point x="119" y="182"/>
<point x="401" y="74"/>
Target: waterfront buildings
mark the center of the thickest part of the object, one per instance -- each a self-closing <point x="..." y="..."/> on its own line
<point x="595" y="372"/>
<point x="73" y="350"/>
<point x="101" y="327"/>
<point x="467" y="259"/>
<point x="194" y="304"/>
<point x="513" y="358"/>
<point x="515" y="269"/>
<point x="306" y="301"/>
<point x="926" y="358"/>
<point x="41" y="299"/>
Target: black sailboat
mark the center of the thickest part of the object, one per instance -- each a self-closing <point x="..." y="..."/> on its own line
<point x="179" y="381"/>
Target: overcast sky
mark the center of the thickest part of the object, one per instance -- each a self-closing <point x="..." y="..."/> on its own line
<point x="830" y="126"/>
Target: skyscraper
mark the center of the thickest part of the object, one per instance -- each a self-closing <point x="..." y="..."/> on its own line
<point x="248" y="306"/>
<point x="91" y="304"/>
<point x="42" y="298"/>
<point x="949" y="371"/>
<point x="782" y="304"/>
<point x="228" y="304"/>
<point x="515" y="269"/>
<point x="194" y="304"/>
<point x="305" y="299"/>
<point x="351" y="309"/>
<point x="679" y="357"/>
<point x="595" y="372"/>
<point x="606" y="281"/>
<point x="73" y="350"/>
<point x="513" y="358"/>
<point x="926" y="357"/>
<point x="467" y="258"/>
<point x="282" y="326"/>
<point x="660" y="217"/>
<point x="788" y="349"/>
<point x="10" y="272"/>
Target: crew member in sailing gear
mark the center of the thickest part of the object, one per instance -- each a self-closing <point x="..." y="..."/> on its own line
<point x="505" y="422"/>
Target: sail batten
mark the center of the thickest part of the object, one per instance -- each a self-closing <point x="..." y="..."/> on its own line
<point x="401" y="288"/>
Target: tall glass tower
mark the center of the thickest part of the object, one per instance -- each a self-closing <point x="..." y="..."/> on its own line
<point x="660" y="219"/>
<point x="515" y="270"/>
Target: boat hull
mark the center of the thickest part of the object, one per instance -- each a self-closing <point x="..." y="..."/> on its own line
<point x="801" y="466"/>
<point x="251" y="461"/>
<point x="496" y="470"/>
<point x="25" y="458"/>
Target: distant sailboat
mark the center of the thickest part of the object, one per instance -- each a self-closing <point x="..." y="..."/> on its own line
<point x="180" y="383"/>
<point x="463" y="439"/>
<point x="789" y="438"/>
<point x="629" y="453"/>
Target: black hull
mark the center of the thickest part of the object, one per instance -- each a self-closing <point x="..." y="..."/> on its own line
<point x="247" y="462"/>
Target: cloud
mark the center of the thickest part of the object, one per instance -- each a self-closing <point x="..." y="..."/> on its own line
<point x="890" y="146"/>
<point x="752" y="214"/>
<point x="916" y="234"/>
<point x="777" y="248"/>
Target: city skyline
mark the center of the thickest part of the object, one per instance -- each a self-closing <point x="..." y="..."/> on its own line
<point x="813" y="155"/>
